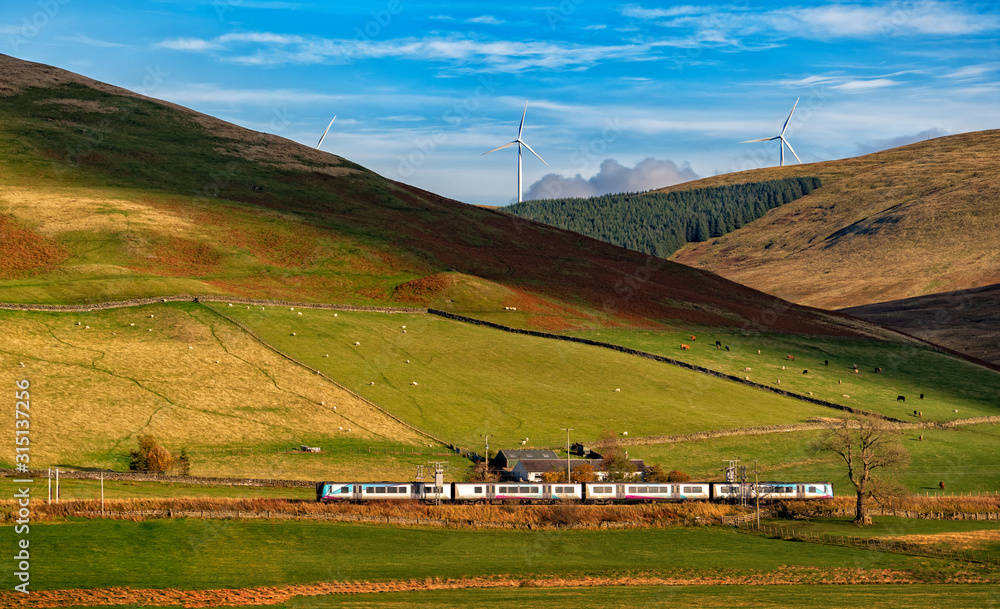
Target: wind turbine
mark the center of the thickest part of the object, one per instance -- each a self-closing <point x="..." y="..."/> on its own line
<point x="781" y="136"/>
<point x="519" y="143"/>
<point x="323" y="137"/>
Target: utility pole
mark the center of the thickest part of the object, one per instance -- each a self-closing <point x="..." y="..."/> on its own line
<point x="569" y="477"/>
<point x="486" y="455"/>
<point x="756" y="492"/>
<point x="439" y="467"/>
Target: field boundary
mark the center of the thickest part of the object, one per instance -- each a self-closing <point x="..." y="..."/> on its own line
<point x="154" y="477"/>
<point x="138" y="302"/>
<point x="663" y="359"/>
<point x="319" y="373"/>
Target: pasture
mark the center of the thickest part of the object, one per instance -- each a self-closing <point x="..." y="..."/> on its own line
<point x="908" y="369"/>
<point x="460" y="381"/>
<point x="196" y="554"/>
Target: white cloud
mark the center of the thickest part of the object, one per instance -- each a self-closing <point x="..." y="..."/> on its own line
<point x="196" y="45"/>
<point x="612" y="178"/>
<point x="487" y="19"/>
<point x="91" y="41"/>
<point x="865" y="85"/>
<point x="887" y="19"/>
<point x="973" y="72"/>
<point x="404" y="118"/>
<point x="464" y="53"/>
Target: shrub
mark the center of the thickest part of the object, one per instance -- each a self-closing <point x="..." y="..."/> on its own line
<point x="678" y="476"/>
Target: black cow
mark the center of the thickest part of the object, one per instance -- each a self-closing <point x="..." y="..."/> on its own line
<point x="878" y="371"/>
<point x="805" y="372"/>
<point x="900" y="398"/>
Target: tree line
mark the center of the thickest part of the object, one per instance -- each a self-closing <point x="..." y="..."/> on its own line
<point x="660" y="223"/>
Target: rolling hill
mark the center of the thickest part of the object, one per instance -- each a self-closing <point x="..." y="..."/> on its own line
<point x="897" y="224"/>
<point x="106" y="195"/>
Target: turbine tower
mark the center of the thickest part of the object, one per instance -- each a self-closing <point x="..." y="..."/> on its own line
<point x="781" y="136"/>
<point x="519" y="143"/>
<point x="323" y="137"/>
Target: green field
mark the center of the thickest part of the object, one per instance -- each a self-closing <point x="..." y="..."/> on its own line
<point x="913" y="596"/>
<point x="964" y="458"/>
<point x="473" y="381"/>
<point x="197" y="554"/>
<point x="908" y="369"/>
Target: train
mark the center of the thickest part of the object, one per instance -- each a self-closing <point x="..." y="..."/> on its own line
<point x="589" y="492"/>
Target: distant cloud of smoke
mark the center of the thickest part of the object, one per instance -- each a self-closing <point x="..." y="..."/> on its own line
<point x="612" y="178"/>
<point x="895" y="142"/>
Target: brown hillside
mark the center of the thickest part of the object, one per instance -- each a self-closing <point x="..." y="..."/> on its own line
<point x="336" y="232"/>
<point x="896" y="224"/>
<point x="965" y="320"/>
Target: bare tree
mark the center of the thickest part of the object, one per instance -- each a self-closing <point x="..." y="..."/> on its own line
<point x="874" y="456"/>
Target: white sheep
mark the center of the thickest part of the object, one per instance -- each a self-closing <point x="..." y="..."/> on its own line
<point x="78" y="323"/>
<point x="292" y="309"/>
<point x="299" y="313"/>
<point x="371" y="383"/>
<point x="407" y="361"/>
<point x="327" y="355"/>
<point x="293" y="333"/>
<point x="404" y="327"/>
<point x="845" y="395"/>
<point x="748" y="369"/>
<point x="131" y="324"/>
<point x="230" y="304"/>
<point x="618" y="390"/>
<point x="624" y="433"/>
<point x="356" y="343"/>
<point x="150" y="316"/>
<point x="322" y="403"/>
<point x="22" y="364"/>
<point x="414" y="383"/>
<point x="190" y="347"/>
<point x="86" y="327"/>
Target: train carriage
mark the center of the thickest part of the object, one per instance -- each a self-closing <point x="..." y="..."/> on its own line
<point x="772" y="491"/>
<point x="604" y="492"/>
<point x="482" y="492"/>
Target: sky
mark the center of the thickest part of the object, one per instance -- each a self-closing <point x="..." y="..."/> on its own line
<point x="620" y="96"/>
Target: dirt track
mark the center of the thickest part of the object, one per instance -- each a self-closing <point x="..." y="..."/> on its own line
<point x="274" y="595"/>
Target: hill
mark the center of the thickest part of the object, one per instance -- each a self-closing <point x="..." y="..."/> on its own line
<point x="905" y="222"/>
<point x="964" y="320"/>
<point x="111" y="195"/>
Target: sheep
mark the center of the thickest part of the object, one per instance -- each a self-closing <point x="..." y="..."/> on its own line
<point x="404" y="331"/>
<point x="855" y="371"/>
<point x="407" y="361"/>
<point x="230" y="304"/>
<point x="114" y="334"/>
<point x="779" y="381"/>
<point x="840" y="382"/>
<point x="322" y="403"/>
<point x="327" y="355"/>
<point x="810" y="393"/>
<point x="414" y="383"/>
<point x="149" y="330"/>
<point x="685" y="347"/>
<point x="782" y="367"/>
<point x="131" y="324"/>
<point x="216" y="361"/>
<point x="299" y="313"/>
<point x="403" y="327"/>
<point x="22" y="364"/>
<point x="292" y="309"/>
<point x="624" y="433"/>
<point x="523" y="442"/>
<point x="190" y="347"/>
<point x="618" y="390"/>
<point x="758" y="351"/>
<point x="334" y="314"/>
<point x="746" y="378"/>
<point x="356" y="343"/>
<point x="150" y="316"/>
<point x="293" y="333"/>
<point x="78" y="323"/>
<point x="86" y="327"/>
<point x="845" y="395"/>
<point x="372" y="383"/>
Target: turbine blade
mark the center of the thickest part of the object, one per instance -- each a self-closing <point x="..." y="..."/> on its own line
<point x="790" y="115"/>
<point x="323" y="137"/>
<point x="534" y="153"/>
<point x="792" y="150"/>
<point x="763" y="139"/>
<point x="519" y="129"/>
<point x="500" y="148"/>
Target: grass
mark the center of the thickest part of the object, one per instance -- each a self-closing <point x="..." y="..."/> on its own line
<point x="912" y="596"/>
<point x="473" y="381"/>
<point x="80" y="489"/>
<point x="207" y="554"/>
<point x="195" y="381"/>
<point x="948" y="383"/>
<point x="965" y="458"/>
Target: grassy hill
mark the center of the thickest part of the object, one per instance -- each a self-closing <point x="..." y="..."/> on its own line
<point x="896" y="224"/>
<point x="106" y="194"/>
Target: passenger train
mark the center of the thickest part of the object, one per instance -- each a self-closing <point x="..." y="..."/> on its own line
<point x="590" y="492"/>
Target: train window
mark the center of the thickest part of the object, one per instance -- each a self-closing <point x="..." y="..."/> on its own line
<point x="478" y="490"/>
<point x="345" y="489"/>
<point x="379" y="489"/>
<point x="692" y="489"/>
<point x="812" y="489"/>
<point x="607" y="489"/>
<point x="525" y="489"/>
<point x="631" y="489"/>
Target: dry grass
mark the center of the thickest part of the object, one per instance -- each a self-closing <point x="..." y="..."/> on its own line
<point x="517" y="516"/>
<point x="184" y="375"/>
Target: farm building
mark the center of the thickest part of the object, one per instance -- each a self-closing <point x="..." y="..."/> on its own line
<point x="532" y="470"/>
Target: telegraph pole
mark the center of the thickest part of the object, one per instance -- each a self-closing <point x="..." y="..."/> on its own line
<point x="756" y="492"/>
<point x="486" y="455"/>
<point x="569" y="477"/>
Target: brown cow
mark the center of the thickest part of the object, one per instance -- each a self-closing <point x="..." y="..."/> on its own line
<point x="685" y="347"/>
<point x="790" y="357"/>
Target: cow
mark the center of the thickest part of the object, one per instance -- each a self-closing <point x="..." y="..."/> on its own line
<point x="921" y="396"/>
<point x="878" y="371"/>
<point x="900" y="398"/>
<point x="805" y="372"/>
<point x="727" y="347"/>
<point x="826" y="362"/>
<point x="693" y="337"/>
<point x="718" y="344"/>
<point x="791" y="358"/>
<point x="685" y="347"/>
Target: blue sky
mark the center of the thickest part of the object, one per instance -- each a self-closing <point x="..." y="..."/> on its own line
<point x="620" y="96"/>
